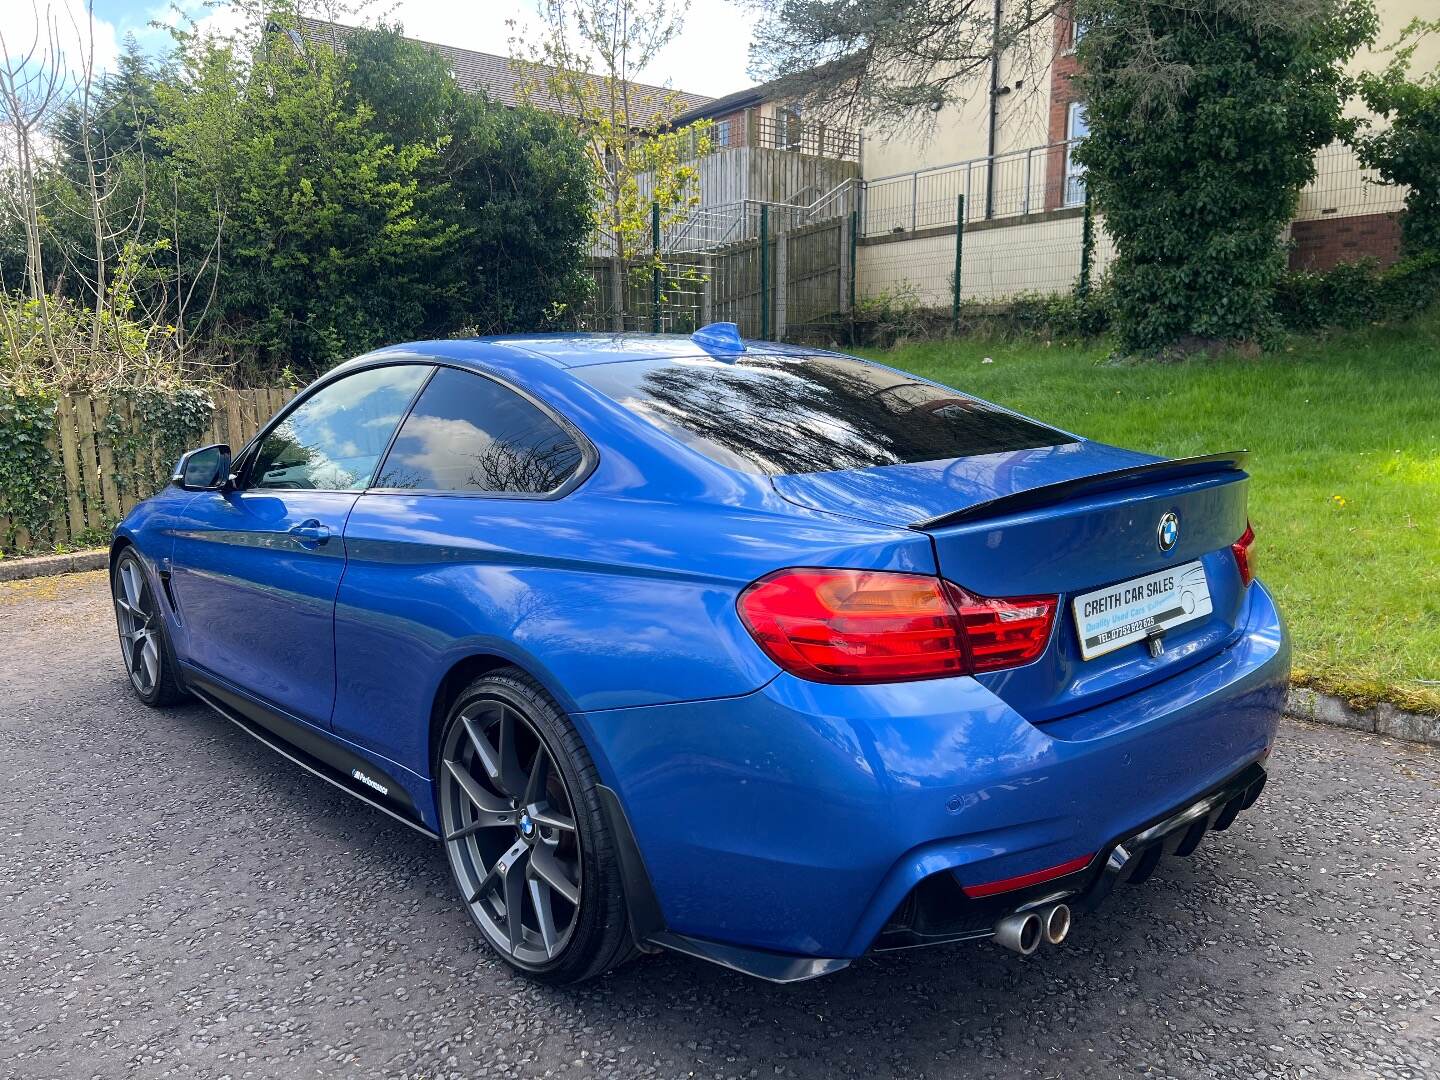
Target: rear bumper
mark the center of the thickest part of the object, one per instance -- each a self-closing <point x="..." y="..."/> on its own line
<point x="937" y="910"/>
<point x="800" y="820"/>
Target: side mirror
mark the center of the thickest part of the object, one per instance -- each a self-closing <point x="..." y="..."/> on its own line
<point x="206" y="469"/>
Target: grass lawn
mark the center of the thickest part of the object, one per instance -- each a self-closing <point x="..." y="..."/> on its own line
<point x="1345" y="495"/>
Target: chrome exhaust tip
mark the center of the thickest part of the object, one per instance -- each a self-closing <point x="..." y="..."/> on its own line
<point x="1056" y="920"/>
<point x="1020" y="932"/>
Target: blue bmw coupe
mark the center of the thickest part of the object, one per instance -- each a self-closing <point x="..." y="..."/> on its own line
<point x="771" y="656"/>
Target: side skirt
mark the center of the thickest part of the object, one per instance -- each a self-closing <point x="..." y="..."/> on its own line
<point x="331" y="763"/>
<point x="311" y="751"/>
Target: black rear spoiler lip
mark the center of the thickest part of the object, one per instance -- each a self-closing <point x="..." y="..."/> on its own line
<point x="1047" y="494"/>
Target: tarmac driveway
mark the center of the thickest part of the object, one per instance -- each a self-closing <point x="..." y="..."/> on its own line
<point x="177" y="901"/>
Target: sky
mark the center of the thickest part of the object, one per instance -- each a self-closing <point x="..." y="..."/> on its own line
<point x="708" y="58"/>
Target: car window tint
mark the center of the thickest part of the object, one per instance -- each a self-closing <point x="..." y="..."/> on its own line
<point x="788" y="414"/>
<point x="333" y="440"/>
<point x="469" y="433"/>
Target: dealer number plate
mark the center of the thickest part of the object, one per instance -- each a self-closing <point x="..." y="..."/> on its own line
<point x="1113" y="617"/>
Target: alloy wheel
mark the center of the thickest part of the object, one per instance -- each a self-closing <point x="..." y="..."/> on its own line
<point x="509" y="826"/>
<point x="137" y="616"/>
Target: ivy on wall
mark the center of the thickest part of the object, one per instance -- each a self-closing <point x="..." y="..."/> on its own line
<point x="147" y="431"/>
<point x="30" y="481"/>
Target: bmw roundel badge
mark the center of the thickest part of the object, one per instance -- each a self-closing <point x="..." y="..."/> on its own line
<point x="1168" y="531"/>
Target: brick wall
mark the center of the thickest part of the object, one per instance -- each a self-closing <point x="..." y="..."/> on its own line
<point x="1326" y="242"/>
<point x="1062" y="93"/>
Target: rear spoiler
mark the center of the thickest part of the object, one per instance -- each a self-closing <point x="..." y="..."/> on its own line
<point x="1048" y="494"/>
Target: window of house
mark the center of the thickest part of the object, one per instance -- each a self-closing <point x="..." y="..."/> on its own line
<point x="468" y="433"/>
<point x="720" y="134"/>
<point x="333" y="439"/>
<point x="790" y="128"/>
<point x="1076" y="128"/>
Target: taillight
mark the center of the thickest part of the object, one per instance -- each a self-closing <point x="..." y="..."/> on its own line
<point x="1003" y="633"/>
<point x="864" y="626"/>
<point x="1241" y="548"/>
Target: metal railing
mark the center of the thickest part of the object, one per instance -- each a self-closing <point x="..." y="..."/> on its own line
<point x="1014" y="184"/>
<point x="1344" y="188"/>
<point x="786" y="131"/>
<point x="709" y="228"/>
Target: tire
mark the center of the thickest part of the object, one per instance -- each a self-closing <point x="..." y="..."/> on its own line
<point x="144" y="644"/>
<point x="517" y="801"/>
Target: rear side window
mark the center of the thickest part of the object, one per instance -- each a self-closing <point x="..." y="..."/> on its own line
<point x="469" y="433"/>
<point x="782" y="414"/>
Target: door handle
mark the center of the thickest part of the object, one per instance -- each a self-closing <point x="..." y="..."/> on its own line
<point x="311" y="533"/>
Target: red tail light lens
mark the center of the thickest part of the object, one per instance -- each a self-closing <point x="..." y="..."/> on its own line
<point x="1241" y="548"/>
<point x="1003" y="633"/>
<point x="861" y="626"/>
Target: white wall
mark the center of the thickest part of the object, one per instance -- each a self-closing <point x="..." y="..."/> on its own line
<point x="998" y="263"/>
<point x="960" y="132"/>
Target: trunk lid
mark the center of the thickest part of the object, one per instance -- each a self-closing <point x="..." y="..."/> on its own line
<point x="1066" y="520"/>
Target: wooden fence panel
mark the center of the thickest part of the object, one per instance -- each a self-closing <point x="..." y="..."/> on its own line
<point x="234" y="429"/>
<point x="109" y="492"/>
<point x="58" y="522"/>
<point x="814" y="283"/>
<point x="70" y="464"/>
<point x="125" y="421"/>
<point x="100" y="484"/>
<point x="89" y="461"/>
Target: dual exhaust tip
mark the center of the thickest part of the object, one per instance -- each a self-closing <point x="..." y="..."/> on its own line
<point x="1023" y="931"/>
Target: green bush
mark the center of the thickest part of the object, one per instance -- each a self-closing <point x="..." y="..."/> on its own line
<point x="1204" y="121"/>
<point x="896" y="315"/>
<point x="1406" y="150"/>
<point x="1059" y="316"/>
<point x="893" y="315"/>
<point x="1354" y="294"/>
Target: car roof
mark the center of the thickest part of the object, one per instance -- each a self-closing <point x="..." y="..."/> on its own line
<point x="561" y="351"/>
<point x="572" y="350"/>
<point x="546" y="363"/>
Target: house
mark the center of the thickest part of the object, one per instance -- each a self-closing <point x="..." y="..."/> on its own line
<point x="1004" y="151"/>
<point x="502" y="80"/>
<point x="1007" y="147"/>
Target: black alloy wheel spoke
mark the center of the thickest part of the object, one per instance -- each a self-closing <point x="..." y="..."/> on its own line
<point x="482" y="800"/>
<point x="512" y="775"/>
<point x="541" y="903"/>
<point x="484" y="819"/>
<point x="501" y="765"/>
<point x="548" y="869"/>
<point x="517" y="853"/>
<point x="514" y="887"/>
<point x="537" y="799"/>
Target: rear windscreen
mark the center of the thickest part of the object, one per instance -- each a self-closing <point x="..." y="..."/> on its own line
<point x="788" y="414"/>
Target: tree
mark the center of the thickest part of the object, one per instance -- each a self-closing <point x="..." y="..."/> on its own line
<point x="515" y="182"/>
<point x="34" y="86"/>
<point x="277" y="201"/>
<point x="361" y="197"/>
<point x="584" y="62"/>
<point x="325" y="241"/>
<point x="1204" y="118"/>
<point x="895" y="63"/>
<point x="1406" y="150"/>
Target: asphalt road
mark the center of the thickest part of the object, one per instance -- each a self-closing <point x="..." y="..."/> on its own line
<point x="176" y="901"/>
